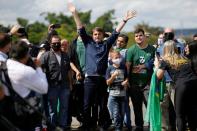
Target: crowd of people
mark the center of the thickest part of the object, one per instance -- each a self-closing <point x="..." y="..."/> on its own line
<point x="94" y="78"/>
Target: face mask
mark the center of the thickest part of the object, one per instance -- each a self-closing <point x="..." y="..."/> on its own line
<point x="56" y="46"/>
<point x="116" y="61"/>
<point x="160" y="41"/>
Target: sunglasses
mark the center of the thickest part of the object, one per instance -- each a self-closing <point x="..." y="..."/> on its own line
<point x="56" y="43"/>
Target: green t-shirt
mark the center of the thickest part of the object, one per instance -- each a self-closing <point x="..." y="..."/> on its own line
<point x="138" y="56"/>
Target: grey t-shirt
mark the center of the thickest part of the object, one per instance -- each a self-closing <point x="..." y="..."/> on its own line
<point x="116" y="89"/>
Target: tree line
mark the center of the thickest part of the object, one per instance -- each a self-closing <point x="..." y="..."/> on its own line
<point x="37" y="31"/>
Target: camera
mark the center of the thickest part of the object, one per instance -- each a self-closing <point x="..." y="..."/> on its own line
<point x="54" y="26"/>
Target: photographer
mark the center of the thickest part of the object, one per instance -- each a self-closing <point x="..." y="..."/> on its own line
<point x="21" y="33"/>
<point x="21" y="77"/>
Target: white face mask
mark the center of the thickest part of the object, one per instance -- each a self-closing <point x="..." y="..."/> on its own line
<point x="116" y="61"/>
<point x="160" y="41"/>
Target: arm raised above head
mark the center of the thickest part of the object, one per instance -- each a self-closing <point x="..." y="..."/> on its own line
<point x="74" y="12"/>
<point x="129" y="14"/>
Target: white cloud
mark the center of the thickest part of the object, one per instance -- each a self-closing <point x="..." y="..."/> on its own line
<point x="173" y="13"/>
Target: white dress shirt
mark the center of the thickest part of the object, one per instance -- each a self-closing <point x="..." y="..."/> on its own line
<point x="25" y="78"/>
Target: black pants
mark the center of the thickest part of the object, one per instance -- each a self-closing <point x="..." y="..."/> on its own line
<point x="95" y="99"/>
<point x="138" y="98"/>
<point x="76" y="101"/>
<point x="186" y="104"/>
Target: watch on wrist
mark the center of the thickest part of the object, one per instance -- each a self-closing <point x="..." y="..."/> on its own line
<point x="125" y="21"/>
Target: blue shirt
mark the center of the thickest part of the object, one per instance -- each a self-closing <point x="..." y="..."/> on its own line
<point x="96" y="54"/>
<point x="166" y="74"/>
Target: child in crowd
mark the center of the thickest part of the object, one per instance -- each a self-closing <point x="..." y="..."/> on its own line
<point x="116" y="80"/>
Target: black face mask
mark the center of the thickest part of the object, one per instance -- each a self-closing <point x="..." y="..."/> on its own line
<point x="56" y="46"/>
<point x="168" y="36"/>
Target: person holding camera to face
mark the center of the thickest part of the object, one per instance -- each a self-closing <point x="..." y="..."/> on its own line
<point x="22" y="35"/>
<point x="21" y="76"/>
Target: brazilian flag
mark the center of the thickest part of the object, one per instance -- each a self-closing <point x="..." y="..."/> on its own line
<point x="156" y="94"/>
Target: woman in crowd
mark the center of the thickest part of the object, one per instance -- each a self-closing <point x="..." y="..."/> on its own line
<point x="182" y="72"/>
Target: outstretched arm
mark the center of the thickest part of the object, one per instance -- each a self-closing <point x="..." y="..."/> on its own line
<point x="74" y="12"/>
<point x="130" y="14"/>
<point x="160" y="72"/>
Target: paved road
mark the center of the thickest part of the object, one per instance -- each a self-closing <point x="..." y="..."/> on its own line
<point x="76" y="124"/>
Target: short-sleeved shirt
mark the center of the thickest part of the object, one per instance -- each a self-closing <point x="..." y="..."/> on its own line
<point x="138" y="56"/>
<point x="116" y="89"/>
<point x="184" y="71"/>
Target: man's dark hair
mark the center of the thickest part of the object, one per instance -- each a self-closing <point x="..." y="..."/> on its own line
<point x="54" y="36"/>
<point x="99" y="29"/>
<point x="168" y="36"/>
<point x="192" y="47"/>
<point x="139" y="30"/>
<point x="193" y="55"/>
<point x="4" y="39"/>
<point x="125" y="37"/>
<point x="195" y="35"/>
<point x="19" y="50"/>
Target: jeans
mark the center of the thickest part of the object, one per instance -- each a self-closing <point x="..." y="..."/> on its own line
<point x="62" y="94"/>
<point x="167" y="108"/>
<point x="117" y="105"/>
<point x="127" y="114"/>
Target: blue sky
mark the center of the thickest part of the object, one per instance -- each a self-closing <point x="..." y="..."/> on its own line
<point x="164" y="13"/>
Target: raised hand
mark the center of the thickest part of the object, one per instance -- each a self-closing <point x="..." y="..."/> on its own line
<point x="130" y="14"/>
<point x="71" y="7"/>
<point x="74" y="12"/>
